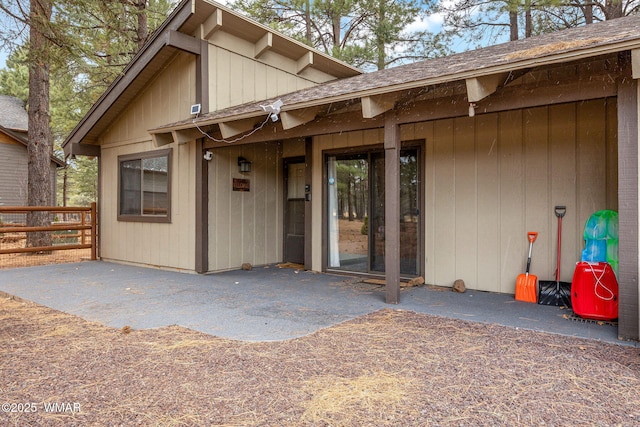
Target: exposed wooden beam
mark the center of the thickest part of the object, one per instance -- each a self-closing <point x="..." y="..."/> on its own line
<point x="186" y="135"/>
<point x="212" y="24"/>
<point x="160" y="139"/>
<point x="373" y="106"/>
<point x="79" y="149"/>
<point x="229" y="129"/>
<point x="305" y="62"/>
<point x="183" y="42"/>
<point x="480" y="87"/>
<point x="263" y="45"/>
<point x="291" y="119"/>
<point x="635" y="63"/>
<point x="515" y="97"/>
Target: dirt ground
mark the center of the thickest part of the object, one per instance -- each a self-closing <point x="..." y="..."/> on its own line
<point x="389" y="368"/>
<point x="17" y="240"/>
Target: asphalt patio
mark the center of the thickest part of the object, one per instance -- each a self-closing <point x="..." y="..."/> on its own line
<point x="263" y="304"/>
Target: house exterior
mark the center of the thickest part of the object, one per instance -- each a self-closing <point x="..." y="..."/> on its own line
<point x="13" y="154"/>
<point x="435" y="169"/>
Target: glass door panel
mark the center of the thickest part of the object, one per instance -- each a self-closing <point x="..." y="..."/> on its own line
<point x="409" y="212"/>
<point x="377" y="212"/>
<point x="348" y="211"/>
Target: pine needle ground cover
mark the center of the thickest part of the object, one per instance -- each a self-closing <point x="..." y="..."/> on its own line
<point x="390" y="368"/>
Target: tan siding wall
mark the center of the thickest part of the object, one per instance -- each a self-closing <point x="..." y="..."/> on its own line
<point x="245" y="227"/>
<point x="13" y="173"/>
<point x="492" y="178"/>
<point x="237" y="79"/>
<point x="167" y="99"/>
<point x="158" y="244"/>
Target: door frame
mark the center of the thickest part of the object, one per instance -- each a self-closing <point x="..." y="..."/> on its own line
<point x="419" y="145"/>
<point x="286" y="162"/>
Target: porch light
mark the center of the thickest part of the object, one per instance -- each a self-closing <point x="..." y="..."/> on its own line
<point x="244" y="165"/>
<point x="472" y="109"/>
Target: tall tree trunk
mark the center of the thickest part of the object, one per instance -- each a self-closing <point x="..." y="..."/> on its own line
<point x="39" y="148"/>
<point x="143" y="26"/>
<point x="513" y="24"/>
<point x="587" y="9"/>
<point x="612" y="9"/>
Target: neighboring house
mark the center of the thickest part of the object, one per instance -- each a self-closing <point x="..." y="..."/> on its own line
<point x="452" y="160"/>
<point x="13" y="154"/>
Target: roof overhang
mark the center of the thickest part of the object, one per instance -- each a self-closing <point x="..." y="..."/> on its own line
<point x="496" y="68"/>
<point x="22" y="139"/>
<point x="190" y="21"/>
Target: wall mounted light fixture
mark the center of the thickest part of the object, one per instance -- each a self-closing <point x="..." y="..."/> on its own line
<point x="244" y="165"/>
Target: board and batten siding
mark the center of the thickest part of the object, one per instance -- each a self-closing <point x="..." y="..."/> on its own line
<point x="492" y="178"/>
<point x="166" y="99"/>
<point x="13" y="172"/>
<point x="167" y="245"/>
<point x="245" y="226"/>
<point x="237" y="77"/>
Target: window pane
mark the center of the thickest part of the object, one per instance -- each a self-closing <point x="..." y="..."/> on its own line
<point x="130" y="201"/>
<point x="154" y="186"/>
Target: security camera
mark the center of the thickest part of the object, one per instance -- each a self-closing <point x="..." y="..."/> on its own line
<point x="208" y="155"/>
<point x="273" y="109"/>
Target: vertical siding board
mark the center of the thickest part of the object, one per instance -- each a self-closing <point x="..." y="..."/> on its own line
<point x="488" y="201"/>
<point x="512" y="238"/>
<point x="260" y="157"/>
<point x="562" y="134"/>
<point x="257" y="179"/>
<point x="248" y="89"/>
<point x="465" y="208"/>
<point x="222" y="91"/>
<point x="426" y="131"/>
<point x="236" y="78"/>
<point x="611" y="119"/>
<point x="538" y="209"/>
<point x="444" y="203"/>
<point x="220" y="244"/>
<point x="13" y="174"/>
<point x="592" y="155"/>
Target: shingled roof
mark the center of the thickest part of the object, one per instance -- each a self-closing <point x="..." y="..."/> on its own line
<point x="12" y="114"/>
<point x="572" y="44"/>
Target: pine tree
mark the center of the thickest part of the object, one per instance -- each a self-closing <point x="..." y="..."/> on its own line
<point x="365" y="33"/>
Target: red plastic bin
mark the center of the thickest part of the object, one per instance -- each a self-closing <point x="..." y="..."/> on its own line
<point x="594" y="291"/>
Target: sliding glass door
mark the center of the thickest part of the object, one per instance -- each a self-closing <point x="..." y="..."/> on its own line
<point x="356" y="202"/>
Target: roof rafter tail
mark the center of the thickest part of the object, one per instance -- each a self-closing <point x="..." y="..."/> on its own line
<point x="294" y="118"/>
<point x="635" y="63"/>
<point x="480" y="87"/>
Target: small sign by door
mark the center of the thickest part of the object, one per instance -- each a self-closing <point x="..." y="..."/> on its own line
<point x="240" y="184"/>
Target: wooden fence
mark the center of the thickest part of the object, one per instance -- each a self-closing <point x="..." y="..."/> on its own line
<point x="83" y="226"/>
